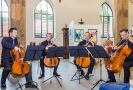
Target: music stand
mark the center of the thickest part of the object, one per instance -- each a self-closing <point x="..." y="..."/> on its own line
<point x="98" y="52"/>
<point x="78" y="51"/>
<point x="55" y="52"/>
<point x="32" y="53"/>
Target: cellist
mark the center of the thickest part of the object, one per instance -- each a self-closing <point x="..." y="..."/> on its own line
<point x="128" y="61"/>
<point x="92" y="60"/>
<point x="9" y="43"/>
<point x="46" y="43"/>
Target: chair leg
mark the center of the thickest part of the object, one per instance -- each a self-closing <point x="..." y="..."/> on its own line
<point x="93" y="72"/>
<point x="119" y="76"/>
<point x="8" y="77"/>
<point x="38" y="67"/>
<point x="20" y="84"/>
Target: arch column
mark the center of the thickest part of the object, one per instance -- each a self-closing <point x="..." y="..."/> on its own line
<point x="121" y="18"/>
<point x="18" y="18"/>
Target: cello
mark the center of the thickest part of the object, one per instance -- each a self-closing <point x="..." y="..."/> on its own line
<point x="19" y="67"/>
<point x="51" y="62"/>
<point x="84" y="62"/>
<point x="115" y="63"/>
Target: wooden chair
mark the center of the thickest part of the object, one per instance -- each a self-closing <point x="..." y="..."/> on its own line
<point x="32" y="43"/>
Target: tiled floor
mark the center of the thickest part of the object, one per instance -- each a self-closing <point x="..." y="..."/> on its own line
<point x="66" y="70"/>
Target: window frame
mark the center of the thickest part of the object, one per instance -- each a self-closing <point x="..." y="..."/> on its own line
<point x="102" y="16"/>
<point x="41" y="20"/>
<point x="1" y="11"/>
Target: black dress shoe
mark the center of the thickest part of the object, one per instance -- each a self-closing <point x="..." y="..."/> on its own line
<point x="3" y="86"/>
<point x="30" y="85"/>
<point x="82" y="72"/>
<point x="87" y="77"/>
<point x="42" y="76"/>
<point x="56" y="74"/>
<point x="111" y="80"/>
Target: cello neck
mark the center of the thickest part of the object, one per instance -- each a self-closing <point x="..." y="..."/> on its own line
<point x="57" y="37"/>
<point x="121" y="46"/>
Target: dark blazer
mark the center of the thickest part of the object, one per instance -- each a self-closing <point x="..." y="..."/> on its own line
<point x="7" y="46"/>
<point x="84" y="42"/>
<point x="45" y="43"/>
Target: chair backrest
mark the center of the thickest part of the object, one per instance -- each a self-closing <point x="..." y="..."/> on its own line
<point x="16" y="76"/>
<point x="32" y="43"/>
<point x="0" y="58"/>
<point x="108" y="44"/>
<point x="131" y="74"/>
<point x="40" y="43"/>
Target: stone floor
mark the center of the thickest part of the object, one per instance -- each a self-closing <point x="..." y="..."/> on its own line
<point x="66" y="70"/>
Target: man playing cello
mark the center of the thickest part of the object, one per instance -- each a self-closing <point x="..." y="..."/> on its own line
<point x="47" y="43"/>
<point x="92" y="60"/>
<point x="9" y="43"/>
<point x="128" y="61"/>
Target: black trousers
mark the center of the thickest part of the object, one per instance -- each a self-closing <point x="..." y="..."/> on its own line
<point x="42" y="66"/>
<point x="7" y="68"/>
<point x="90" y="68"/>
<point x="128" y="63"/>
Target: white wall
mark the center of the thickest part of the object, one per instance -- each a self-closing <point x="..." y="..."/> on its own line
<point x="130" y="14"/>
<point x="67" y="11"/>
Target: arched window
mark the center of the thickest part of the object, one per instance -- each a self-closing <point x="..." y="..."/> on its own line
<point x="44" y="19"/>
<point x="106" y="19"/>
<point x="4" y="18"/>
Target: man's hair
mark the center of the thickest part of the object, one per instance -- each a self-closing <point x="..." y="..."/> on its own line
<point x="124" y="30"/>
<point x="49" y="34"/>
<point x="11" y="30"/>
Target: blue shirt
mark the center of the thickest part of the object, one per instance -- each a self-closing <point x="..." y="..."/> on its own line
<point x="13" y="42"/>
<point x="87" y="42"/>
<point x="48" y="42"/>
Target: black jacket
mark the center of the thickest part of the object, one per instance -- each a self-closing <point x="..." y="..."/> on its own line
<point x="7" y="46"/>
<point x="45" y="43"/>
<point x="84" y="43"/>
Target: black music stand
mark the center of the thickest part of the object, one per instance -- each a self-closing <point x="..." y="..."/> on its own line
<point x="98" y="52"/>
<point x="32" y="53"/>
<point x="78" y="51"/>
<point x="55" y="52"/>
